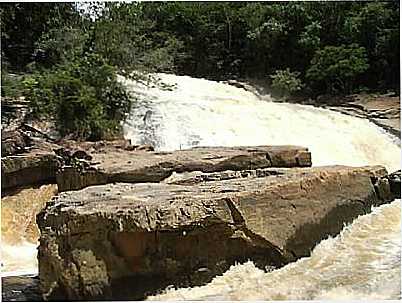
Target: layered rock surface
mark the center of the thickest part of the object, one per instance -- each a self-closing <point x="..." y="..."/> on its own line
<point x="117" y="165"/>
<point x="123" y="241"/>
<point x="28" y="169"/>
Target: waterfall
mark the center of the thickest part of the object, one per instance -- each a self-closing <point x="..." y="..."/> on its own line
<point x="363" y="262"/>
<point x="198" y="112"/>
<point x="19" y="233"/>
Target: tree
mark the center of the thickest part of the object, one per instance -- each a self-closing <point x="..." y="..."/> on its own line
<point x="335" y="68"/>
<point x="84" y="96"/>
<point x="24" y="23"/>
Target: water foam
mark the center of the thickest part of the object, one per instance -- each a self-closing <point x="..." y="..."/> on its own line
<point x="198" y="112"/>
<point x="362" y="262"/>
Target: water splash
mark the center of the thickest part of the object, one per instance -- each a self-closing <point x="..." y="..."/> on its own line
<point x="362" y="262"/>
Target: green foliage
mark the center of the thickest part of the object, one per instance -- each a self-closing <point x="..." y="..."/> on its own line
<point x="336" y="46"/>
<point x="376" y="27"/>
<point x="24" y="23"/>
<point x="285" y="82"/>
<point x="336" y="68"/>
<point x="60" y="45"/>
<point x="310" y="37"/>
<point x="11" y="85"/>
<point x="84" y="96"/>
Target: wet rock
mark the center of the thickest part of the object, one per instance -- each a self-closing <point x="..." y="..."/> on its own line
<point x="145" y="147"/>
<point x="383" y="110"/>
<point x="126" y="241"/>
<point x="395" y="183"/>
<point x="243" y="85"/>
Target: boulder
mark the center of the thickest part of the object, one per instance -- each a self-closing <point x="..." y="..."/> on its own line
<point x="77" y="169"/>
<point x="118" y="165"/>
<point x="126" y="241"/>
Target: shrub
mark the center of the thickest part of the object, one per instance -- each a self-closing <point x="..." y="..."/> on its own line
<point x="285" y="82"/>
<point x="84" y="96"/>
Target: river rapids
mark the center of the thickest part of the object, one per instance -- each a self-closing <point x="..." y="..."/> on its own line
<point x="362" y="262"/>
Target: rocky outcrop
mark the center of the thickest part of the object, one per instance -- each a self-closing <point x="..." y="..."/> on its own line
<point x="118" y="165"/>
<point x="13" y="142"/>
<point x="26" y="169"/>
<point x="123" y="241"/>
<point x="27" y="152"/>
<point x="381" y="110"/>
<point x="103" y="162"/>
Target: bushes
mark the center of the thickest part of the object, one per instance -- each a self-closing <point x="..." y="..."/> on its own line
<point x="285" y="82"/>
<point x="84" y="96"/>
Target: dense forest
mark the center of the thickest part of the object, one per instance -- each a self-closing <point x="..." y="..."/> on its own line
<point x="65" y="57"/>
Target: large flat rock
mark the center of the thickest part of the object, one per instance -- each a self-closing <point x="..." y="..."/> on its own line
<point x="124" y="241"/>
<point x="118" y="165"/>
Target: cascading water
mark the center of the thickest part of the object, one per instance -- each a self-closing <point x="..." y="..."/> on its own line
<point x="362" y="262"/>
<point x="198" y="112"/>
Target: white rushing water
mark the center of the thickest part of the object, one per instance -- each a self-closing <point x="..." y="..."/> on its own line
<point x="19" y="233"/>
<point x="207" y="113"/>
<point x="363" y="262"/>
